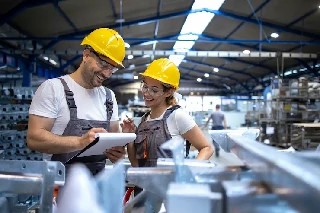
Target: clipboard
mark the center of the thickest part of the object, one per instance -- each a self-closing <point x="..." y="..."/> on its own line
<point x="105" y="141"/>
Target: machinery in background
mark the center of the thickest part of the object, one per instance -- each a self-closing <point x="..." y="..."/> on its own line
<point x="27" y="186"/>
<point x="287" y="102"/>
<point x="305" y="136"/>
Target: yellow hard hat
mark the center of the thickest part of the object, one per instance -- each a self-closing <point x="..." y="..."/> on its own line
<point x="163" y="70"/>
<point x="107" y="42"/>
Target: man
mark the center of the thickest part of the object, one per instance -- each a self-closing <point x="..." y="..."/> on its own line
<point x="67" y="112"/>
<point x="218" y="120"/>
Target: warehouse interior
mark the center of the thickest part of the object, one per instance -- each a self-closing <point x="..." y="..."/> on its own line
<point x="258" y="59"/>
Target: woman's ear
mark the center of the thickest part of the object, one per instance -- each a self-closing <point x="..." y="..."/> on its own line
<point x="170" y="92"/>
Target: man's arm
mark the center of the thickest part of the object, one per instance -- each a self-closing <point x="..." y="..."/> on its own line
<point x="40" y="138"/>
<point x="208" y="121"/>
<point x="225" y="122"/>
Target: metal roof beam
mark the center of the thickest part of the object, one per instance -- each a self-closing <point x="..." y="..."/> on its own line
<point x="21" y="7"/>
<point x="224" y="68"/>
<point x="185" y="13"/>
<point x="236" y="28"/>
<point x="264" y="23"/>
<point x="63" y="14"/>
<point x="113" y="9"/>
<point x="205" y="39"/>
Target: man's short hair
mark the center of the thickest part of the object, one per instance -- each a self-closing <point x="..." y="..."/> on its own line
<point x="218" y="106"/>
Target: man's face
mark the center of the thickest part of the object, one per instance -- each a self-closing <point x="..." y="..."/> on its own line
<point x="97" y="68"/>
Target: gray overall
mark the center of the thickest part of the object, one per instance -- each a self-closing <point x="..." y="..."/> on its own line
<point x="78" y="127"/>
<point x="150" y="135"/>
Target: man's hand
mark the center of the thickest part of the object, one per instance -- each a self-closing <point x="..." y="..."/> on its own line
<point x="90" y="136"/>
<point x="115" y="153"/>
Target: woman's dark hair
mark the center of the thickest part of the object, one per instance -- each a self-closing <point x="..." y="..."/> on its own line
<point x="171" y="100"/>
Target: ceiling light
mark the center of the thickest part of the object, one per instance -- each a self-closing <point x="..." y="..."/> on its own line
<point x="206" y="75"/>
<point x="274" y="35"/>
<point x="53" y="62"/>
<point x="132" y="66"/>
<point x="120" y="20"/>
<point x="130" y="57"/>
<point x="216" y="69"/>
<point x="127" y="45"/>
<point x="247" y="52"/>
<point x="199" y="79"/>
<point x="135" y="77"/>
<point x="319" y="6"/>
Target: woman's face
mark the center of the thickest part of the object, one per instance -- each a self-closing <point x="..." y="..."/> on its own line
<point x="153" y="92"/>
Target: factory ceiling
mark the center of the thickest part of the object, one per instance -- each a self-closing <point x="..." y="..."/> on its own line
<point x="281" y="38"/>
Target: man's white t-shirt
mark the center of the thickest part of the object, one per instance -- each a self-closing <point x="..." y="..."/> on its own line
<point x="50" y="101"/>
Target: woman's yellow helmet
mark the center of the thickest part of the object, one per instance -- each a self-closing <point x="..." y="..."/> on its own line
<point x="163" y="70"/>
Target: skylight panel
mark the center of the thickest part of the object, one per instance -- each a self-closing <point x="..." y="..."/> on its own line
<point x="194" y="26"/>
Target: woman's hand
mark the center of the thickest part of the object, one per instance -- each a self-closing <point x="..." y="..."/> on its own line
<point x="128" y="125"/>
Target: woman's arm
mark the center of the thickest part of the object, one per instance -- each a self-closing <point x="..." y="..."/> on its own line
<point x="196" y="137"/>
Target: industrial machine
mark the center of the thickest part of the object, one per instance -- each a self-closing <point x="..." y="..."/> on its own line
<point x="247" y="176"/>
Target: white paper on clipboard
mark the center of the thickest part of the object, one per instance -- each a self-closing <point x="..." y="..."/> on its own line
<point x="107" y="141"/>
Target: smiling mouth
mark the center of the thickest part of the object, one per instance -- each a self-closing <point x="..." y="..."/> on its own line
<point x="148" y="99"/>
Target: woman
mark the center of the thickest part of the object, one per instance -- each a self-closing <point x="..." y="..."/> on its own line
<point x="165" y="120"/>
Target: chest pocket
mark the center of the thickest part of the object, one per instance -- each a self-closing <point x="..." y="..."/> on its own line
<point x="151" y="135"/>
<point x="148" y="142"/>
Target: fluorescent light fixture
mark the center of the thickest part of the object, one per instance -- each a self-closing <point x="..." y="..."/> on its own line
<point x="199" y="79"/>
<point x="127" y="45"/>
<point x="53" y="62"/>
<point x="319" y="6"/>
<point x="216" y="69"/>
<point x="274" y="35"/>
<point x="135" y="77"/>
<point x="176" y="59"/>
<point x="120" y="20"/>
<point x="45" y="58"/>
<point x="206" y="75"/>
<point x="132" y="66"/>
<point x="247" y="52"/>
<point x="130" y="57"/>
<point x="288" y="73"/>
<point x="194" y="25"/>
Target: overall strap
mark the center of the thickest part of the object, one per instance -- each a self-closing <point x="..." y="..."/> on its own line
<point x="70" y="100"/>
<point x="170" y="110"/>
<point x="109" y="103"/>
